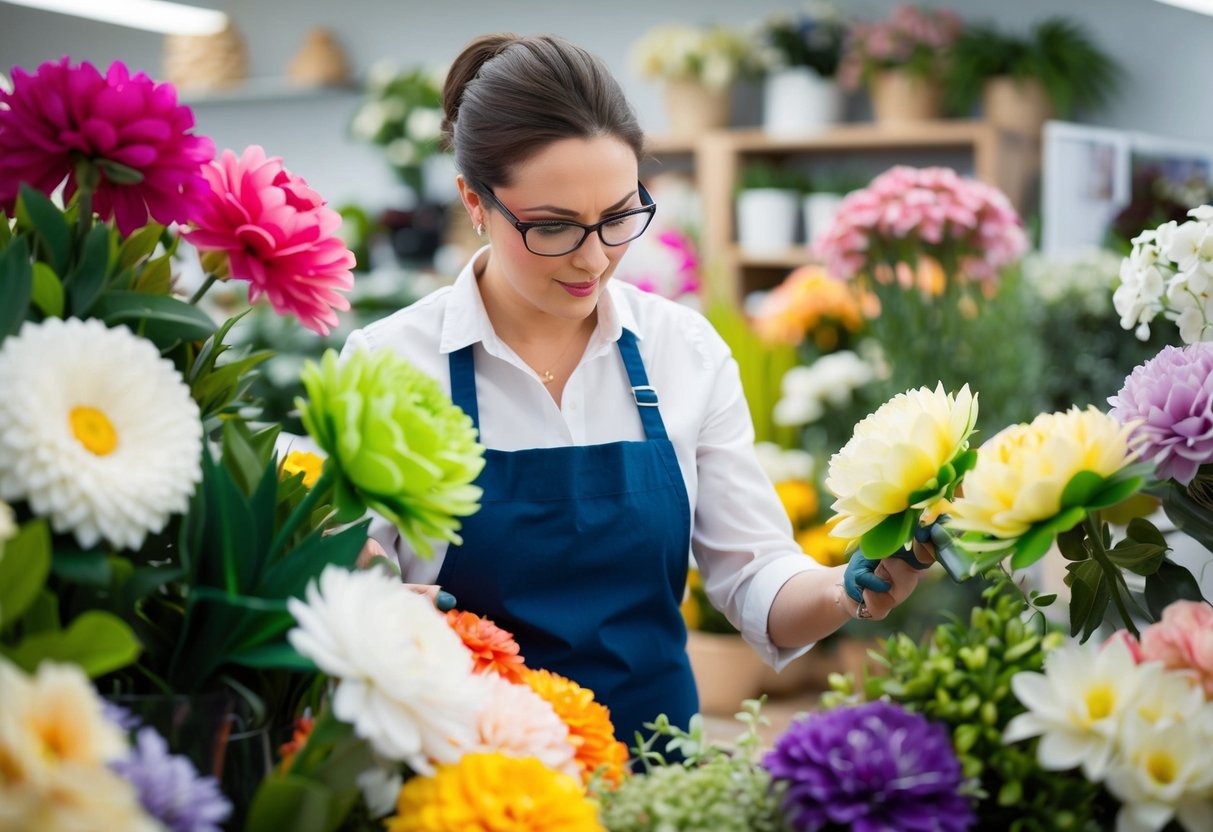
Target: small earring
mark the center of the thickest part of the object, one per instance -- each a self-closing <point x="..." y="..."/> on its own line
<point x="479" y="229"/>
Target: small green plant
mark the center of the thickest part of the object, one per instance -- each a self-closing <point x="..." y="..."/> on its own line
<point x="760" y="175"/>
<point x="961" y="676"/>
<point x="716" y="787"/>
<point x="1057" y="52"/>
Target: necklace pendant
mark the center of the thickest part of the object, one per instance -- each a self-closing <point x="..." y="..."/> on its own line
<point x="547" y="377"/>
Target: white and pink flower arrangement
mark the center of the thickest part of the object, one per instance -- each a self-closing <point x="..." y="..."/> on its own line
<point x="665" y="262"/>
<point x="913" y="39"/>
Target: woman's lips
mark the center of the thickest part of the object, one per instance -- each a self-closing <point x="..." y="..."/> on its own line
<point x="579" y="290"/>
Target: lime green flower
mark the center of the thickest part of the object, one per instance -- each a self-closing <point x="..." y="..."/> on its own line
<point x="395" y="443"/>
<point x="900" y="461"/>
<point x="1032" y="482"/>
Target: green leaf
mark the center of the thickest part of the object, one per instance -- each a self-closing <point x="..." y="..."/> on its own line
<point x="87" y="279"/>
<point x="6" y="232"/>
<point x="162" y="319"/>
<point x="1114" y="493"/>
<point x="145" y="580"/>
<point x="84" y="568"/>
<point x="1081" y="488"/>
<point x="119" y="173"/>
<point x="294" y="803"/>
<point x="1143" y="531"/>
<point x="889" y="535"/>
<point x="47" y="290"/>
<point x="279" y="656"/>
<point x="1140" y="558"/>
<point x="1088" y="597"/>
<point x="16" y="287"/>
<point x="1189" y="516"/>
<point x="36" y="213"/>
<point x="139" y="245"/>
<point x="155" y="278"/>
<point x="1072" y="544"/>
<point x="1170" y="583"/>
<point x="1044" y="600"/>
<point x="289" y="577"/>
<point x="98" y="641"/>
<point x="23" y="569"/>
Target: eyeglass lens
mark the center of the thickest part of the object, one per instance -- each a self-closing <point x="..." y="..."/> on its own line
<point x="561" y="238"/>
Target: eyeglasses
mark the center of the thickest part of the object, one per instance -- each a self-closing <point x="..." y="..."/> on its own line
<point x="554" y="238"/>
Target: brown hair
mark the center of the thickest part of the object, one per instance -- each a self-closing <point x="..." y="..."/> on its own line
<point x="507" y="97"/>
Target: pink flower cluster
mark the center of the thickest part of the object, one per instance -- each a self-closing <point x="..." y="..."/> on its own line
<point x="912" y="37"/>
<point x="931" y="211"/>
<point x="1182" y="640"/>
<point x="62" y="113"/>
<point x="278" y="235"/>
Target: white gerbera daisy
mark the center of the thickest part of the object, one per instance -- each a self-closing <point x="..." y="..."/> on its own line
<point x="97" y="431"/>
<point x="406" y="682"/>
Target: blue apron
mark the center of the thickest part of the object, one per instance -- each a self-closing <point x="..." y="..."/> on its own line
<point x="581" y="552"/>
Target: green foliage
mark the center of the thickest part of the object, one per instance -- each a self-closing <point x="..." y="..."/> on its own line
<point x="815" y="41"/>
<point x="1057" y="52"/>
<point x="715" y="789"/>
<point x="961" y="676"/>
<point x="761" y="175"/>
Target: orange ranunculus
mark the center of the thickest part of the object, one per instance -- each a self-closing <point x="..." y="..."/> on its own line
<point x="806" y="300"/>
<point x="493" y="648"/>
<point x="590" y="728"/>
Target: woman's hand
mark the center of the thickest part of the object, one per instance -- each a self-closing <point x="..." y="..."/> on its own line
<point x="373" y="555"/>
<point x="882" y="585"/>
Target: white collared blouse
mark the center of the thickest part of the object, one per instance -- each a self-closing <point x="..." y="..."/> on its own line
<point x="741" y="538"/>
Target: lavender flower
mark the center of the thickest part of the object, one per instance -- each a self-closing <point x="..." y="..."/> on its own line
<point x="1171" y="395"/>
<point x="871" y="768"/>
<point x="169" y="787"/>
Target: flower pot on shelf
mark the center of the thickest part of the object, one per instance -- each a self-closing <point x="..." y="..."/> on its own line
<point x="766" y="220"/>
<point x="727" y="671"/>
<point x="899" y="98"/>
<point x="1016" y="104"/>
<point x="799" y="102"/>
<point x="819" y="212"/>
<point x="693" y="107"/>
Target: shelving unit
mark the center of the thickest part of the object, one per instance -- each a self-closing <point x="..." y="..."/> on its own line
<point x="262" y="90"/>
<point x="1003" y="158"/>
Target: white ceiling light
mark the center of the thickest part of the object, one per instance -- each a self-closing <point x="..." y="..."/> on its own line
<point x="1198" y="6"/>
<point x="151" y="15"/>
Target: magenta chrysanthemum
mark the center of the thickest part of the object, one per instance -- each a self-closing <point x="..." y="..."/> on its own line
<point x="1171" y="399"/>
<point x="278" y="235"/>
<point x="62" y="113"/>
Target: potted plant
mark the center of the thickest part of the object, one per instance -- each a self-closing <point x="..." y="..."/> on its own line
<point x="767" y="208"/>
<point x="698" y="66"/>
<point x="800" y="93"/>
<point x="1024" y="80"/>
<point x="902" y="62"/>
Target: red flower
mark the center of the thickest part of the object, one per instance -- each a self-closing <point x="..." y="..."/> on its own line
<point x="61" y="114"/>
<point x="494" y="649"/>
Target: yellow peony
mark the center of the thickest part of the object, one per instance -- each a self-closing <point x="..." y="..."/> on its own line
<point x="900" y="460"/>
<point x="590" y="728"/>
<point x="1025" y="476"/>
<point x="494" y="793"/>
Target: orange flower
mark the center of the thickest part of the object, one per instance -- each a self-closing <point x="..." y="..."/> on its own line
<point x="493" y="648"/>
<point x="590" y="728"/>
<point x="806" y="301"/>
<point x="821" y="546"/>
<point x="303" y="730"/>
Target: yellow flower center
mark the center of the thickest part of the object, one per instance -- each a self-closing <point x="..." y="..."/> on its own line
<point x="1161" y="767"/>
<point x="1100" y="702"/>
<point x="94" y="430"/>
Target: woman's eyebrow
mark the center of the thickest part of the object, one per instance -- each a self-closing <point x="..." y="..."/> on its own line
<point x="553" y="209"/>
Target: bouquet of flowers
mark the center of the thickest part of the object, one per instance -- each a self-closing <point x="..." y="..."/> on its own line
<point x="913" y="39"/>
<point x="715" y="56"/>
<point x="814" y="38"/>
<point x="402" y="113"/>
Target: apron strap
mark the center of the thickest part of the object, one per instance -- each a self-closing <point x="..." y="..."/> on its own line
<point x="463" y="383"/>
<point x="644" y="394"/>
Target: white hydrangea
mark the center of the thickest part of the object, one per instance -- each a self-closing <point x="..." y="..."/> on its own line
<point x="782" y="464"/>
<point x="1170" y="272"/>
<point x="1082" y="277"/>
<point x="830" y="381"/>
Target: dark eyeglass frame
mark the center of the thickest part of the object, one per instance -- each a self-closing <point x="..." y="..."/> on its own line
<point x="647" y="206"/>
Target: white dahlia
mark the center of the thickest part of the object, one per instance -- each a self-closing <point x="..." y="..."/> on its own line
<point x="406" y="683"/>
<point x="518" y="722"/>
<point x="97" y="431"/>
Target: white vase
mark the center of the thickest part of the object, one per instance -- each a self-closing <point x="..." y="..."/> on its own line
<point x="799" y="102"/>
<point x="766" y="220"/>
<point x="819" y="212"/>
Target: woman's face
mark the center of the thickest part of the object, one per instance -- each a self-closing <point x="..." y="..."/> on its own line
<point x="584" y="180"/>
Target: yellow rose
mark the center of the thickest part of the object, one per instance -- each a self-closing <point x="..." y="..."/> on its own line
<point x="1022" y="472"/>
<point x="901" y="457"/>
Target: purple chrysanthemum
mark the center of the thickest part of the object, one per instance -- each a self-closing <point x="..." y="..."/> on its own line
<point x="169" y="787"/>
<point x="1171" y="396"/>
<point x="871" y="768"/>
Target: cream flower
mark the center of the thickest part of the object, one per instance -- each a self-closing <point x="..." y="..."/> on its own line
<point x="97" y="431"/>
<point x="8" y="525"/>
<point x="1077" y="706"/>
<point x="406" y="682"/>
<point x="517" y="722"/>
<point x="896" y="458"/>
<point x="1160" y="774"/>
<point x="1023" y="472"/>
<point x="52" y="720"/>
<point x="78" y="798"/>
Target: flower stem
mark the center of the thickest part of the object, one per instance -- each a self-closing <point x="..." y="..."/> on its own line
<point x="202" y="290"/>
<point x="304" y="509"/>
<point x="1116" y="580"/>
<point x="87" y="180"/>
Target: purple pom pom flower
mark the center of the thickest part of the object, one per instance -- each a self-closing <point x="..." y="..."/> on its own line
<point x="871" y="768"/>
<point x="169" y="787"/>
<point x="1171" y="399"/>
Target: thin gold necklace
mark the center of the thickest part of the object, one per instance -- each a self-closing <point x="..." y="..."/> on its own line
<point x="547" y="377"/>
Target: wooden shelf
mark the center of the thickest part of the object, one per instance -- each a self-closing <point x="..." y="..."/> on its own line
<point x="788" y="259"/>
<point x="670" y="145"/>
<point x="262" y="90"/>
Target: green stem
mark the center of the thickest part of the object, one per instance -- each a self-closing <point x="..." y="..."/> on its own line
<point x="87" y="180"/>
<point x="328" y="476"/>
<point x="1115" y="579"/>
<point x="202" y="290"/>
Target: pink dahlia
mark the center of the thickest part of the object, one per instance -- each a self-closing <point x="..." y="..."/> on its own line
<point x="278" y="235"/>
<point x="1183" y="640"/>
<point x="62" y="114"/>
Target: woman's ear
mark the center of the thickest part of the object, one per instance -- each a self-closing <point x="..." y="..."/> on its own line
<point x="472" y="203"/>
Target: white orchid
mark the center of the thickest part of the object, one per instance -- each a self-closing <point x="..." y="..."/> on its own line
<point x="1162" y="773"/>
<point x="1170" y="272"/>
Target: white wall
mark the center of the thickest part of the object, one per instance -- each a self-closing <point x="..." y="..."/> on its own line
<point x="1163" y="49"/>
